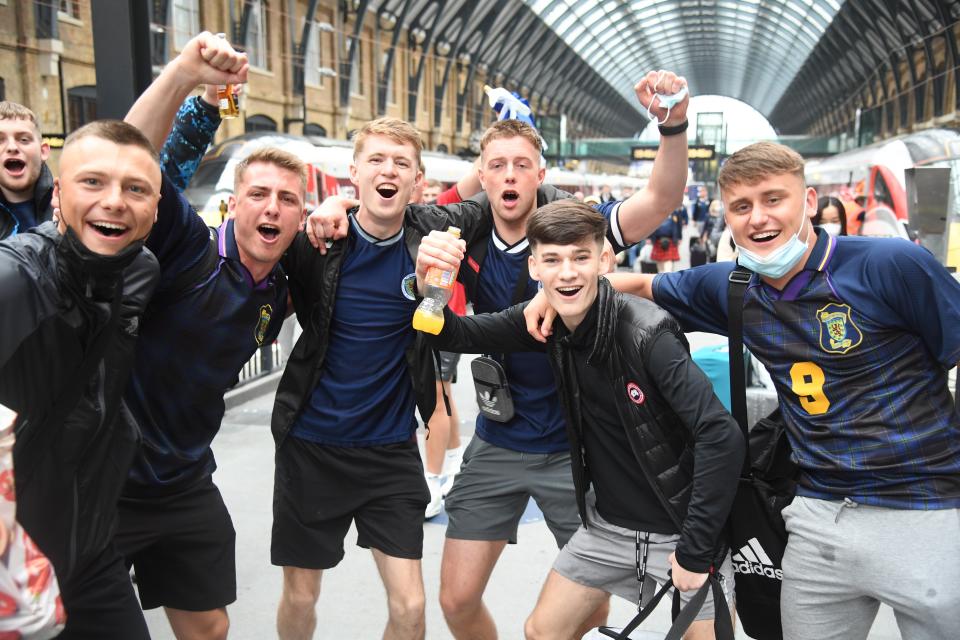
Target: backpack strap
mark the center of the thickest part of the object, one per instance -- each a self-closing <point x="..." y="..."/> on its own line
<point x="738" y="281"/>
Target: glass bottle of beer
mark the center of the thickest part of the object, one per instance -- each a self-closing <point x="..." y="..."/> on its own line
<point x="226" y="101"/>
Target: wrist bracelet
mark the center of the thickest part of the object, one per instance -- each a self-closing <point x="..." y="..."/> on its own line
<point x="674" y="130"/>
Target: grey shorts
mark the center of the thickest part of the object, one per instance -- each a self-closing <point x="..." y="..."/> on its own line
<point x="605" y="557"/>
<point x="494" y="485"/>
<point x="448" y="366"/>
<point x="841" y="563"/>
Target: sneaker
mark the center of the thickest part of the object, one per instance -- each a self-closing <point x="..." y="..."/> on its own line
<point x="452" y="462"/>
<point x="447" y="484"/>
<point x="436" y="497"/>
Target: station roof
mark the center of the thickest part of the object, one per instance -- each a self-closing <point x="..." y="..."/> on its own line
<point x="745" y="49"/>
<point x="586" y="56"/>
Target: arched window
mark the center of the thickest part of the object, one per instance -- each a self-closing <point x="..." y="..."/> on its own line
<point x="259" y="123"/>
<point x="442" y="148"/>
<point x="185" y="18"/>
<point x="314" y="129"/>
<point x="257" y="47"/>
<point x="81" y="106"/>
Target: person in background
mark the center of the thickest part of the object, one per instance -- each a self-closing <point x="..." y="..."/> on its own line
<point x="666" y="241"/>
<point x="700" y="209"/>
<point x="831" y="216"/>
<point x="431" y="191"/>
<point x="26" y="184"/>
<point x="606" y="195"/>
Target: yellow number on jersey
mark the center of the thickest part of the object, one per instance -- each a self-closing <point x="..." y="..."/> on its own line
<point x="807" y="382"/>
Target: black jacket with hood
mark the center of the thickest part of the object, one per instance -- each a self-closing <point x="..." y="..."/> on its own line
<point x="693" y="470"/>
<point x="55" y="298"/>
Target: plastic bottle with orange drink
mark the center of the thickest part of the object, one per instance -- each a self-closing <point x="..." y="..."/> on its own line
<point x="439" y="284"/>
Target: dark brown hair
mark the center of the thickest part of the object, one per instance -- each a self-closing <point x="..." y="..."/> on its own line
<point x="565" y="222"/>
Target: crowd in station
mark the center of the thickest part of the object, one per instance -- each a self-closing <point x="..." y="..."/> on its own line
<point x="124" y="319"/>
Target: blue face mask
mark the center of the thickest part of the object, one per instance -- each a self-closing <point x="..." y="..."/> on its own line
<point x="777" y="263"/>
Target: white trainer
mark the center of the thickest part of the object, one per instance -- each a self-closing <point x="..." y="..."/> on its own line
<point x="436" y="496"/>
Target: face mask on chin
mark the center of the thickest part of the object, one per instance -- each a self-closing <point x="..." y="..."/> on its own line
<point x="778" y="262"/>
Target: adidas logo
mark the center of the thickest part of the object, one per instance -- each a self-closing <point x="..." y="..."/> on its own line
<point x="753" y="559"/>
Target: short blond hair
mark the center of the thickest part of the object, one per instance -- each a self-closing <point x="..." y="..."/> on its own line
<point x="16" y="111"/>
<point x="757" y="162"/>
<point x="400" y="131"/>
<point x="275" y="156"/>
<point x="511" y="129"/>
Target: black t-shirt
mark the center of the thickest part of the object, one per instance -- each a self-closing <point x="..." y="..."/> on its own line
<point x="624" y="496"/>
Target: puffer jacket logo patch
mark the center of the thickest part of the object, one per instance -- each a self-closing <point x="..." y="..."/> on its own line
<point x="635" y="393"/>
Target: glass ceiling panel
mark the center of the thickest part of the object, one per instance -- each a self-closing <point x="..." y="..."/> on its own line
<point x="622" y="38"/>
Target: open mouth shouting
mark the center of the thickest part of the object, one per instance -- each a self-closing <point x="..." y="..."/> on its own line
<point x="268" y="232"/>
<point x="387" y="191"/>
<point x="510" y="198"/>
<point x="15" y="167"/>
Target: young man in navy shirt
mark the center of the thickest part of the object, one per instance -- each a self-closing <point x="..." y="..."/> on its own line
<point x="858" y="335"/>
<point x="508" y="463"/>
<point x="344" y="418"/>
<point x="26" y="184"/>
<point x="222" y="295"/>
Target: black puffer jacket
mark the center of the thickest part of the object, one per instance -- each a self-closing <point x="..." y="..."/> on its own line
<point x="313" y="280"/>
<point x="42" y="195"/>
<point x="55" y="298"/>
<point x="697" y="500"/>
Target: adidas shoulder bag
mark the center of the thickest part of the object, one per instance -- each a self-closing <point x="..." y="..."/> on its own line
<point x="758" y="536"/>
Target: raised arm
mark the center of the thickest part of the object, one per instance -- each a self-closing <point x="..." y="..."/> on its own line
<point x="469" y="185"/>
<point x="194" y="127"/>
<point x="643" y="212"/>
<point x="206" y="59"/>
